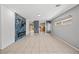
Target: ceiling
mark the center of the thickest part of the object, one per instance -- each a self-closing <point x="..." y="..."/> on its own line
<point x="39" y="11"/>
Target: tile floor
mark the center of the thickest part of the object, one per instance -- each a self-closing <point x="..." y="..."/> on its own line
<point x="39" y="44"/>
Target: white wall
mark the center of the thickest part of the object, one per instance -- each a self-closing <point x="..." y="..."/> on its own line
<point x="7" y="27"/>
<point x="69" y="32"/>
<point x="27" y="26"/>
<point x="0" y="26"/>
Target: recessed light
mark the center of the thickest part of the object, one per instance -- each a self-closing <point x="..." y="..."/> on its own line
<point x="38" y="15"/>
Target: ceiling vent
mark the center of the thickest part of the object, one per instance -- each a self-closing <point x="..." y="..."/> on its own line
<point x="58" y="5"/>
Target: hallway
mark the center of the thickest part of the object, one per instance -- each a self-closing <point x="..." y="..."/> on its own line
<point x="39" y="43"/>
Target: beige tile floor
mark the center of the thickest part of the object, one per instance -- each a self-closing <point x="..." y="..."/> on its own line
<point x="39" y="44"/>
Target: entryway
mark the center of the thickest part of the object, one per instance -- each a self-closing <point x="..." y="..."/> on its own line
<point x="37" y="27"/>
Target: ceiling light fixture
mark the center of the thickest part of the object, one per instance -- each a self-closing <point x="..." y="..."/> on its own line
<point x="38" y="15"/>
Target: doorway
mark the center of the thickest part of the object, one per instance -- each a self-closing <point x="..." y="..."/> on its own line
<point x="48" y="26"/>
<point x="31" y="27"/>
<point x="42" y="27"/>
<point x="36" y="26"/>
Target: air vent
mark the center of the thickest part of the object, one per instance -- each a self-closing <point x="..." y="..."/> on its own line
<point x="58" y="5"/>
